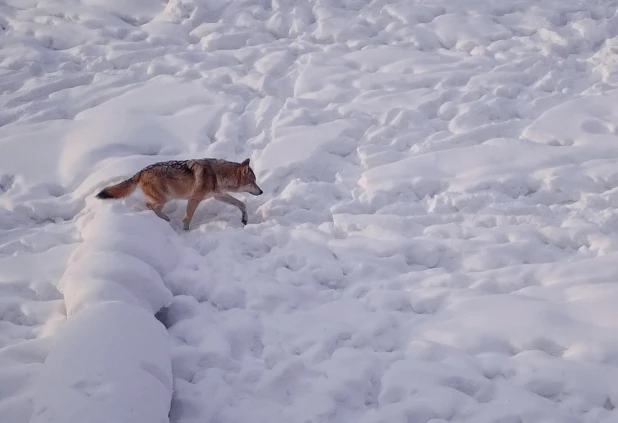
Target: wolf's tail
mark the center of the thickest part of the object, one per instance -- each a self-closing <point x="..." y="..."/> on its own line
<point x="120" y="190"/>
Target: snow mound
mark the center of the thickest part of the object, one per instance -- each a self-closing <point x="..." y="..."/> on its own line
<point x="121" y="258"/>
<point x="585" y="122"/>
<point x="112" y="359"/>
<point x="110" y="362"/>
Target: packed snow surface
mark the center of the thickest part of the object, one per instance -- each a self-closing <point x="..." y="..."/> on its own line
<point x="437" y="241"/>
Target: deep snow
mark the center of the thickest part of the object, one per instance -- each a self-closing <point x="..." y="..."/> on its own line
<point x="436" y="242"/>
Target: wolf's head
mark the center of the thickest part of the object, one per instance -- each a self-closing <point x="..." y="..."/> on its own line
<point x="247" y="180"/>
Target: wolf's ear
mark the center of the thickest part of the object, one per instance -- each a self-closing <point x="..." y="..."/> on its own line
<point x="246" y="162"/>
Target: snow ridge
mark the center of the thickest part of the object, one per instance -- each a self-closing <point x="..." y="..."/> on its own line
<point x="111" y="359"/>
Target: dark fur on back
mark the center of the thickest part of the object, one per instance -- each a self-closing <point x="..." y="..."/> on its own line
<point x="178" y="165"/>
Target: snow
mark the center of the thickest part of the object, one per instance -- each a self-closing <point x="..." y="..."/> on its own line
<point x="436" y="241"/>
<point x="124" y="267"/>
<point x="110" y="362"/>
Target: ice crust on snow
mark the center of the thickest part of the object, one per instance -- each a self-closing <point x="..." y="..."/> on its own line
<point x="436" y="242"/>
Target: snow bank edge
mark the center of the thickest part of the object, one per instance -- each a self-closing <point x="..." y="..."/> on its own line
<point x="111" y="360"/>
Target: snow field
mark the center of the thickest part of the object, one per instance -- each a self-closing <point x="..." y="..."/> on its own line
<point x="435" y="242"/>
<point x="30" y="309"/>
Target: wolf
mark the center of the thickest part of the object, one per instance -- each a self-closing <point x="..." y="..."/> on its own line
<point x="194" y="180"/>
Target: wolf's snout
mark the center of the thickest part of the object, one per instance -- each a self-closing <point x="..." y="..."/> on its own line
<point x="253" y="188"/>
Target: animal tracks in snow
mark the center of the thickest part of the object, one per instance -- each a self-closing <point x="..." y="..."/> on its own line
<point x="437" y="238"/>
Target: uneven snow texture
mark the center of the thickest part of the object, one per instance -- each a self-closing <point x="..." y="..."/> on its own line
<point x="436" y="242"/>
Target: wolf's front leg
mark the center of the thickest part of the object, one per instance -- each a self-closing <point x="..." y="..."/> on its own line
<point x="228" y="199"/>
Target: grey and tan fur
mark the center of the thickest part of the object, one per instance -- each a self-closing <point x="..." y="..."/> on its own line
<point x="194" y="180"/>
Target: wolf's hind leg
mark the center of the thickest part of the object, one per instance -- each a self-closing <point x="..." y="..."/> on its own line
<point x="156" y="200"/>
<point x="191" y="206"/>
<point x="158" y="209"/>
